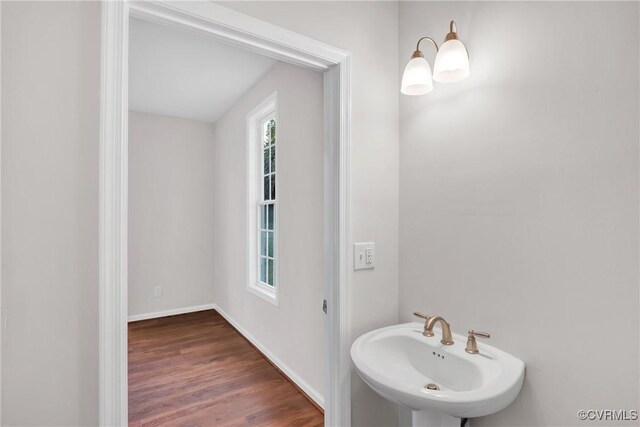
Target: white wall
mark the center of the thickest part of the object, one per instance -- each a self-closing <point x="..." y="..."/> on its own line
<point x="519" y="196"/>
<point x="50" y="129"/>
<point x="369" y="31"/>
<point x="171" y="212"/>
<point x="294" y="331"/>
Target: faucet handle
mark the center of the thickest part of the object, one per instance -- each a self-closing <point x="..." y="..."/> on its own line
<point x="472" y="345"/>
<point x="420" y="315"/>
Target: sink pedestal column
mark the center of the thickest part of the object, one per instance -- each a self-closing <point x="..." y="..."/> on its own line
<point x="426" y="418"/>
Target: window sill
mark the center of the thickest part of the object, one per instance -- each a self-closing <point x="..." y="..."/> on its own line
<point x="267" y="293"/>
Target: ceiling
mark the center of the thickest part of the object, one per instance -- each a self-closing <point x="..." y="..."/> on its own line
<point x="187" y="75"/>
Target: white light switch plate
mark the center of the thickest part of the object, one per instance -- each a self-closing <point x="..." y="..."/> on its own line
<point x="364" y="255"/>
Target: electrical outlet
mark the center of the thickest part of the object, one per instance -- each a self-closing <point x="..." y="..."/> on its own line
<point x="157" y="291"/>
<point x="364" y="255"/>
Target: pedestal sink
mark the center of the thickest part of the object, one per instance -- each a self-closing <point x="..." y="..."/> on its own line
<point x="437" y="384"/>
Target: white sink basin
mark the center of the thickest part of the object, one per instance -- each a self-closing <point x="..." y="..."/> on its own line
<point x="398" y="362"/>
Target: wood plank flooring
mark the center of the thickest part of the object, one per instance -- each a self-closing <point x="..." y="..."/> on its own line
<point x="197" y="370"/>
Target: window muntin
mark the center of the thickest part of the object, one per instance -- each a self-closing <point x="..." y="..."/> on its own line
<point x="267" y="204"/>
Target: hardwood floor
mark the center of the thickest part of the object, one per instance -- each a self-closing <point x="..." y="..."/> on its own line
<point x="197" y="370"/>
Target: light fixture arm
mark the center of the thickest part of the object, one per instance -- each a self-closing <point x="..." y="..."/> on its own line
<point x="453" y="32"/>
<point x="418" y="52"/>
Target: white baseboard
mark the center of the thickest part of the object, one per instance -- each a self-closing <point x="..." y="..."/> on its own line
<point x="172" y="312"/>
<point x="310" y="391"/>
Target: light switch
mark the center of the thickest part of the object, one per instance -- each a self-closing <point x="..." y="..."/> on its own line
<point x="364" y="255"/>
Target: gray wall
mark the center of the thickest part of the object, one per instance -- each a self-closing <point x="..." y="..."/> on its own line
<point x="519" y="196"/>
<point x="171" y="212"/>
<point x="50" y="125"/>
<point x="294" y="331"/>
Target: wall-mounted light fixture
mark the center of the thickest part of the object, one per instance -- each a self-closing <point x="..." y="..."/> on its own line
<point x="452" y="65"/>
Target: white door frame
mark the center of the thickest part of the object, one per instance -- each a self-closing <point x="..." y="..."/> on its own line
<point x="244" y="31"/>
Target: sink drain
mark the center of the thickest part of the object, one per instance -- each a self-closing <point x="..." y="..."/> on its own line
<point x="432" y="386"/>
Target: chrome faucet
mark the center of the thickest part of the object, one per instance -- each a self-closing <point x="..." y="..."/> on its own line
<point x="447" y="339"/>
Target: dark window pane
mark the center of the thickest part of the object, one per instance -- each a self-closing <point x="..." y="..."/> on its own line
<point x="273" y="159"/>
<point x="273" y="187"/>
<point x="263" y="243"/>
<point x="265" y="184"/>
<point x="271" y="244"/>
<point x="265" y="157"/>
<point x="270" y="273"/>
<point x="263" y="270"/>
<point x="271" y="217"/>
<point x="273" y="131"/>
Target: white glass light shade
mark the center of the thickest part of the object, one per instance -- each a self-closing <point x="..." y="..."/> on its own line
<point x="452" y="62"/>
<point x="416" y="79"/>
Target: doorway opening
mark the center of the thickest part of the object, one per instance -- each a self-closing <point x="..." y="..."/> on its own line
<point x="225" y="234"/>
<point x="241" y="31"/>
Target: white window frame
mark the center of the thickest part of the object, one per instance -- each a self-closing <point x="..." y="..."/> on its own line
<point x="266" y="110"/>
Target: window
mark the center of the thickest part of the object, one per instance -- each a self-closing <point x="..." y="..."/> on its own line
<point x="262" y="207"/>
<point x="267" y="206"/>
